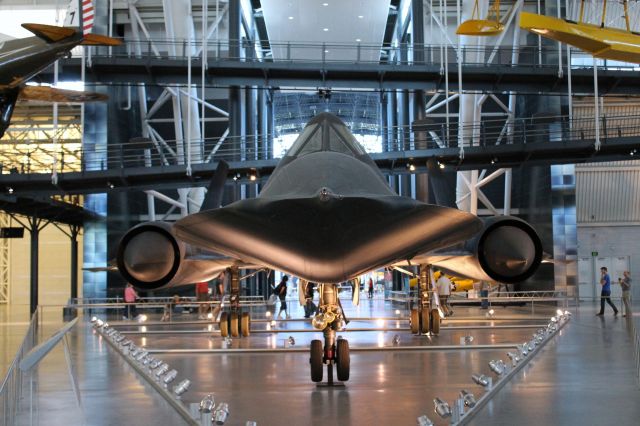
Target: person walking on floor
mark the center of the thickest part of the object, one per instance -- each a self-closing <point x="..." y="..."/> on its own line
<point x="370" y="285"/>
<point x="625" y="283"/>
<point x="130" y="296"/>
<point x="202" y="295"/>
<point x="605" y="295"/>
<point x="443" y="284"/>
<point x="281" y="292"/>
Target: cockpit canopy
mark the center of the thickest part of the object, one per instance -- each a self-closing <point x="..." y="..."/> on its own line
<point x="326" y="132"/>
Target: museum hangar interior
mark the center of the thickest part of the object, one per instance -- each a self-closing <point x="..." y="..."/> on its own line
<point x="361" y="212"/>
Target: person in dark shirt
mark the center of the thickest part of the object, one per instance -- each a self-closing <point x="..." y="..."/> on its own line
<point x="309" y="307"/>
<point x="281" y="292"/>
<point x="605" y="295"/>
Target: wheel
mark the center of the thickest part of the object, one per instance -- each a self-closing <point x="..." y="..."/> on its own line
<point x="415" y="322"/>
<point x="245" y="324"/>
<point x="343" y="361"/>
<point x="233" y="325"/>
<point x="435" y="321"/>
<point x="224" y="324"/>
<point x="425" y="323"/>
<point x="315" y="359"/>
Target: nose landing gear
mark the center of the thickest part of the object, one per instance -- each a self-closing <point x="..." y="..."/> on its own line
<point x="235" y="322"/>
<point x="329" y="319"/>
<point x="426" y="317"/>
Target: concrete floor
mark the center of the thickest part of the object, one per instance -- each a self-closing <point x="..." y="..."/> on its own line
<point x="583" y="376"/>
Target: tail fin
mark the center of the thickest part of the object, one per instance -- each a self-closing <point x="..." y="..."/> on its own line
<point x="216" y="187"/>
<point x="80" y="14"/>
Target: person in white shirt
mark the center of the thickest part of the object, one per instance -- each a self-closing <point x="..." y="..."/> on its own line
<point x="444" y="291"/>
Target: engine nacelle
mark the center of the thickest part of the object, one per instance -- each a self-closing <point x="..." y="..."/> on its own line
<point x="508" y="249"/>
<point x="150" y="257"/>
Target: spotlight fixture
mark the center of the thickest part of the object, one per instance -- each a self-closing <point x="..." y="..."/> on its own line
<point x="169" y="377"/>
<point x="513" y="357"/>
<point x="325" y="29"/>
<point x="633" y="152"/>
<point x="360" y="16"/>
<point x="494" y="160"/>
<point x="182" y="387"/>
<point x="110" y="185"/>
<point x="221" y="413"/>
<point x="441" y="165"/>
<point x="423" y="420"/>
<point x="481" y="379"/>
<point x="411" y="167"/>
<point x="497" y="366"/>
<point x="162" y="369"/>
<point x="10" y="190"/>
<point x="253" y="175"/>
<point x="358" y="40"/>
<point x="207" y="404"/>
<point x="442" y="408"/>
<point x="468" y="398"/>
<point x="291" y="18"/>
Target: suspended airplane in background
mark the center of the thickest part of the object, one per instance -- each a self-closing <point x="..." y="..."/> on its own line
<point x="327" y="215"/>
<point x="599" y="41"/>
<point x="490" y="26"/>
<point x="21" y="59"/>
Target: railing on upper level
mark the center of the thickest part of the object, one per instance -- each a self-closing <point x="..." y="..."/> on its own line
<point x="349" y="53"/>
<point x="159" y="152"/>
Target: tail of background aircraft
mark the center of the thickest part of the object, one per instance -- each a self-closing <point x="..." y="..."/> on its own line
<point x="80" y="14"/>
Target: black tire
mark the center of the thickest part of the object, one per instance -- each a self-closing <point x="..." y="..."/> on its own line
<point x="343" y="362"/>
<point x="245" y="324"/>
<point x="316" y="353"/>
<point x="435" y="321"/>
<point x="414" y="320"/>
<point x="224" y="324"/>
<point x="233" y="325"/>
<point x="425" y="322"/>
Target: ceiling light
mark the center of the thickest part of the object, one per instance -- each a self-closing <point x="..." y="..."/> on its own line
<point x="411" y="167"/>
<point x="10" y="190"/>
<point x="358" y="40"/>
<point x="494" y="160"/>
<point x="325" y="29"/>
<point x="290" y="18"/>
<point x="326" y="51"/>
<point x="325" y="4"/>
<point x="360" y="16"/>
<point x="441" y="165"/>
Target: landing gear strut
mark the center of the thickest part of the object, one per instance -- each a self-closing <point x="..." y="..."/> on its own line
<point x="235" y="322"/>
<point x="426" y="317"/>
<point x="334" y="352"/>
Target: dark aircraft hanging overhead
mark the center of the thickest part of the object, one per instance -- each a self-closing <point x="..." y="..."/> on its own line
<point x="327" y="215"/>
<point x="21" y="59"/>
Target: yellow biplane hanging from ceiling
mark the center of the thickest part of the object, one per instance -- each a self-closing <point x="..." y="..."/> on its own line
<point x="601" y="42"/>
<point x="489" y="26"/>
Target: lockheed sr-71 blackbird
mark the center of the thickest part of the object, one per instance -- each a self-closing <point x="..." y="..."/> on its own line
<point x="327" y="215"/>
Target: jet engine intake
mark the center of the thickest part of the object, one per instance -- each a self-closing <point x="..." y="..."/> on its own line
<point x="508" y="249"/>
<point x="150" y="257"/>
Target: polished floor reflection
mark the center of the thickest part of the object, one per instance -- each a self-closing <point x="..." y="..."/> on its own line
<point x="589" y="362"/>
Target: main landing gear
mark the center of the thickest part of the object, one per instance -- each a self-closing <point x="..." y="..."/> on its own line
<point x="234" y="323"/>
<point x="426" y="317"/>
<point x="334" y="352"/>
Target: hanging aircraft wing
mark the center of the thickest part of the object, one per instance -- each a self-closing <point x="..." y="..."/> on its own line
<point x="606" y="43"/>
<point x="53" y="94"/>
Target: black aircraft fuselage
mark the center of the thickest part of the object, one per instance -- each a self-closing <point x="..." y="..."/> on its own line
<point x="326" y="214"/>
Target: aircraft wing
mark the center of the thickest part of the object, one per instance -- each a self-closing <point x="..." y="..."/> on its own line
<point x="53" y="94"/>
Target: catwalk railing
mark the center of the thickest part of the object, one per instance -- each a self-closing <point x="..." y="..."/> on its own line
<point x="158" y="152"/>
<point x="348" y="53"/>
<point x="12" y="390"/>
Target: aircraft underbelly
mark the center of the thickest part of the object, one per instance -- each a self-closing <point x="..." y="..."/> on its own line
<point x="327" y="240"/>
